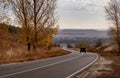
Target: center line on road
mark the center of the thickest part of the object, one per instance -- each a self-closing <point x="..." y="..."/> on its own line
<point x="37" y="68"/>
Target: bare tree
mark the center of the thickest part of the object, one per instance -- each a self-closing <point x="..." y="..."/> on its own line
<point x="43" y="19"/>
<point x="4" y="12"/>
<point x="22" y="11"/>
<point x="113" y="14"/>
<point x="36" y="18"/>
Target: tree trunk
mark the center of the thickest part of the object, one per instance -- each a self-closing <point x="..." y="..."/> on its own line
<point x="118" y="34"/>
<point x="35" y="26"/>
<point x="29" y="46"/>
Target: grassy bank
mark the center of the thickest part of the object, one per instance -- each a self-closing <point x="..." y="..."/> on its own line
<point x="21" y="55"/>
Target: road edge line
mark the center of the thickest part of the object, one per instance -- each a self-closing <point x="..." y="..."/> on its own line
<point x="72" y="75"/>
<point x="37" y="68"/>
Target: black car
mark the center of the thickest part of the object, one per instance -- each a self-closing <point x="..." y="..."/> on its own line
<point x="82" y="50"/>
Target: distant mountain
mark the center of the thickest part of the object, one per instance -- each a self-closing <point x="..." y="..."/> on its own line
<point x="80" y="35"/>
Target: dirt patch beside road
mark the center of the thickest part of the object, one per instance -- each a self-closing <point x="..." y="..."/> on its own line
<point x="102" y="66"/>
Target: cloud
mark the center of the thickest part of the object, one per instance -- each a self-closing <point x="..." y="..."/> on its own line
<point x="82" y="13"/>
<point x="82" y="5"/>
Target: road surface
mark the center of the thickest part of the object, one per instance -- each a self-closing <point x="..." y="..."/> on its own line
<point x="57" y="67"/>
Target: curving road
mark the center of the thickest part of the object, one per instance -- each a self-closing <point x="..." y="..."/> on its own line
<point x="57" y="67"/>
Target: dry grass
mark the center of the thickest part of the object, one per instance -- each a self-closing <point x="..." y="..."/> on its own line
<point x="21" y="55"/>
<point x="115" y="66"/>
<point x="98" y="68"/>
<point x="108" y="66"/>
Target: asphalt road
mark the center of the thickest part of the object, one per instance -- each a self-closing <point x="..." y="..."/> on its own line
<point x="57" y="67"/>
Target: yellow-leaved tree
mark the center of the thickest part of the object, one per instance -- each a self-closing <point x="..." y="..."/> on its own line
<point x="37" y="20"/>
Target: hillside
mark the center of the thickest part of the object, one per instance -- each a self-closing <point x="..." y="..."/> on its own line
<point x="82" y="33"/>
<point x="11" y="29"/>
<point x="79" y="35"/>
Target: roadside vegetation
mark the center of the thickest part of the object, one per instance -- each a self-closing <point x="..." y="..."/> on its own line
<point x="28" y="34"/>
<point x="20" y="54"/>
<point x="111" y="51"/>
<point x="113" y="15"/>
<point x="108" y="65"/>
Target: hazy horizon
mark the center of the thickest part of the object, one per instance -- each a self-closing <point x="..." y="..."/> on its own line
<point x="80" y="29"/>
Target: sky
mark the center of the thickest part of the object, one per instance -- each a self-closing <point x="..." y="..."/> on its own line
<point x="82" y="14"/>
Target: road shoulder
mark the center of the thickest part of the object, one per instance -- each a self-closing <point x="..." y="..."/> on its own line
<point x="98" y="68"/>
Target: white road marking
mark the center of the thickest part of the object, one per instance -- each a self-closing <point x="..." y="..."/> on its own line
<point x="8" y="64"/>
<point x="37" y="68"/>
<point x="83" y="68"/>
<point x="32" y="61"/>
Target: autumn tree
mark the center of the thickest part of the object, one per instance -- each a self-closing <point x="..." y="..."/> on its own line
<point x="43" y="21"/>
<point x="45" y="38"/>
<point x="37" y="19"/>
<point x="113" y="14"/>
<point x="23" y="13"/>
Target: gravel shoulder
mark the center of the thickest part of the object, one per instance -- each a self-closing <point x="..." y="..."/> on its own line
<point x="102" y="66"/>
